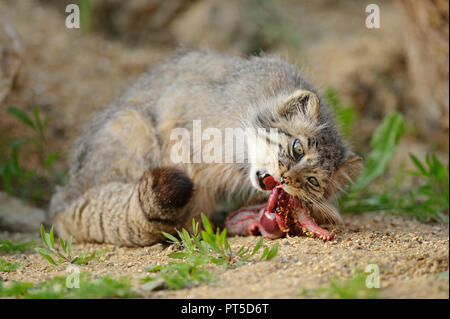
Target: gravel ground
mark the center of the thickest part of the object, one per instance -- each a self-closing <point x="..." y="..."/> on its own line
<point x="407" y="252"/>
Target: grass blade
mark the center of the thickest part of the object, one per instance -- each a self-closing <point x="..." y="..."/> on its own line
<point x="264" y="254"/>
<point x="45" y="237"/>
<point x="51" y="238"/>
<point x="50" y="259"/>
<point x="22" y="116"/>
<point x="69" y="245"/>
<point x="418" y="164"/>
<point x="257" y="247"/>
<point x="62" y="244"/>
<point x="273" y="252"/>
<point x="206" y="224"/>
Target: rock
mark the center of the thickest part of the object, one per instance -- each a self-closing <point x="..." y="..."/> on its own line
<point x="16" y="216"/>
<point x="11" y="56"/>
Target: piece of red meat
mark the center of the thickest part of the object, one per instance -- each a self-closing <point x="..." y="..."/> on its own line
<point x="282" y="214"/>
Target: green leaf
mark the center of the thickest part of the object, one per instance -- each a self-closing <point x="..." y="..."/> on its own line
<point x="222" y="237"/>
<point x="52" y="240"/>
<point x="227" y="247"/>
<point x="257" y="247"/>
<point x="37" y="119"/>
<point x="69" y="245"/>
<point x="48" y="240"/>
<point x="6" y="177"/>
<point x="62" y="244"/>
<point x="79" y="260"/>
<point x="170" y="237"/>
<point x="194" y="227"/>
<point x="217" y="237"/>
<point x="86" y="8"/>
<point x="383" y="145"/>
<point x="44" y="235"/>
<point x="153" y="268"/>
<point x="209" y="239"/>
<point x="43" y="251"/>
<point x="50" y="159"/>
<point x="418" y="164"/>
<point x="273" y="252"/>
<point x="23" y="117"/>
<point x="50" y="259"/>
<point x="244" y="251"/>
<point x="264" y="254"/>
<point x="206" y="224"/>
<point x="186" y="238"/>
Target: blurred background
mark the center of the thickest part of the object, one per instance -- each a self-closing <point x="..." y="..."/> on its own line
<point x="52" y="79"/>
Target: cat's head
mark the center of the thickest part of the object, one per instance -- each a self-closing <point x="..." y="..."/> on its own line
<point x="307" y="154"/>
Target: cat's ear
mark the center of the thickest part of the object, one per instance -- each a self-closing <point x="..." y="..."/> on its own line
<point x="348" y="170"/>
<point x="301" y="102"/>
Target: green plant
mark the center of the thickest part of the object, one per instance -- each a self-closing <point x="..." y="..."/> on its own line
<point x="383" y="144"/>
<point x="351" y="288"/>
<point x="215" y="246"/>
<point x="7" y="266"/>
<point x="428" y="201"/>
<point x="18" y="247"/>
<point x="199" y="250"/>
<point x="86" y="10"/>
<point x="17" y="181"/>
<point x="384" y="141"/>
<point x="65" y="255"/>
<point x="56" y="288"/>
<point x="345" y="115"/>
<point x="15" y="289"/>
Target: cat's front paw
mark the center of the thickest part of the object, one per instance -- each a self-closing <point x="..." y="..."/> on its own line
<point x="163" y="191"/>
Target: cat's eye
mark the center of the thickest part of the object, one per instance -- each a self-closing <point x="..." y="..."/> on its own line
<point x="313" y="181"/>
<point x="297" y="150"/>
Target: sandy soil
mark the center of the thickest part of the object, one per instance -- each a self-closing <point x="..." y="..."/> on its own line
<point x="408" y="253"/>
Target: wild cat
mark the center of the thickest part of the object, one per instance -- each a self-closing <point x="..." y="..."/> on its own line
<point x="123" y="188"/>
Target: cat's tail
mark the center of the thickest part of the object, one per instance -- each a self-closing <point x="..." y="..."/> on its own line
<point x="128" y="214"/>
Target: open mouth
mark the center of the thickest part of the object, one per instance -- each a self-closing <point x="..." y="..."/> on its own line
<point x="262" y="178"/>
<point x="283" y="214"/>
